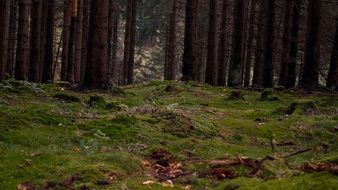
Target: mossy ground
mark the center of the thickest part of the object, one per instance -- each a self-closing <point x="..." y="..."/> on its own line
<point x="48" y="139"/>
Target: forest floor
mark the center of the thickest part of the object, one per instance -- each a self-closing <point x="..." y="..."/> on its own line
<point x="166" y="135"/>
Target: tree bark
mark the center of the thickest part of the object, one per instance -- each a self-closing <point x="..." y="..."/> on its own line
<point x="47" y="74"/>
<point x="222" y="60"/>
<point x="171" y="51"/>
<point x="332" y="79"/>
<point x="291" y="69"/>
<point x="285" y="43"/>
<point x="78" y="42"/>
<point x="85" y="31"/>
<point x="247" y="74"/>
<point x="212" y="57"/>
<point x="4" y="27"/>
<point x="35" y="55"/>
<point x="22" y="52"/>
<point x="72" y="40"/>
<point x="65" y="40"/>
<point x="97" y="63"/>
<point x="236" y="59"/>
<point x="12" y="34"/>
<point x="310" y="75"/>
<point x="189" y="54"/>
<point x="115" y="64"/>
<point x="269" y="44"/>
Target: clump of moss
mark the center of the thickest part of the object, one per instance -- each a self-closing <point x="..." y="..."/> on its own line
<point x="236" y="95"/>
<point x="268" y="95"/>
<point x="67" y="98"/>
<point x="115" y="91"/>
<point x="171" y="89"/>
<point x="16" y="86"/>
<point x="303" y="107"/>
<point x="97" y="102"/>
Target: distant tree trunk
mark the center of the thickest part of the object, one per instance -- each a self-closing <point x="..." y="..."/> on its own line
<point x="130" y="78"/>
<point x="269" y="44"/>
<point x="35" y="55"/>
<point x="86" y="4"/>
<point x="201" y="41"/>
<point x="22" y="52"/>
<point x="189" y="54"/>
<point x="310" y="75"/>
<point x="291" y="69"/>
<point x="47" y="74"/>
<point x="171" y="52"/>
<point x="115" y="64"/>
<point x="78" y="42"/>
<point x="258" y="68"/>
<point x="286" y="43"/>
<point x="97" y="63"/>
<point x="65" y="40"/>
<point x="72" y="40"/>
<point x="332" y="79"/>
<point x="212" y="57"/>
<point x="110" y="37"/>
<point x="247" y="74"/>
<point x="12" y="34"/>
<point x="4" y="26"/>
<point x="127" y="41"/>
<point x="222" y="60"/>
<point x="236" y="60"/>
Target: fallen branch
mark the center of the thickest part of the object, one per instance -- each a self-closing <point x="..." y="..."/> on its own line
<point x="296" y="153"/>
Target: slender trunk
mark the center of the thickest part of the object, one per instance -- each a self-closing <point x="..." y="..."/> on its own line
<point x="212" y="57"/>
<point x="247" y="74"/>
<point x="66" y="35"/>
<point x="130" y="78"/>
<point x="115" y="64"/>
<point x="127" y="41"/>
<point x="78" y="43"/>
<point x="4" y="27"/>
<point x="97" y="64"/>
<point x="222" y="60"/>
<point x="35" y="55"/>
<point x="84" y="40"/>
<point x="189" y="54"/>
<point x="258" y="68"/>
<point x="72" y="40"/>
<point x="47" y="74"/>
<point x="110" y="37"/>
<point x="22" y="52"/>
<point x="332" y="79"/>
<point x="291" y="69"/>
<point x="286" y="43"/>
<point x="171" y="47"/>
<point x="12" y="38"/>
<point x="236" y="61"/>
<point x="269" y="44"/>
<point x="310" y="75"/>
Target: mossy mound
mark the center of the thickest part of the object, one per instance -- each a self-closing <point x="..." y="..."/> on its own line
<point x="97" y="101"/>
<point x="16" y="86"/>
<point x="66" y="98"/>
<point x="269" y="95"/>
<point x="303" y="107"/>
<point x="236" y="95"/>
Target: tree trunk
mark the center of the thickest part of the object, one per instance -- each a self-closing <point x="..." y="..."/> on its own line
<point x="310" y="75"/>
<point x="12" y="34"/>
<point x="212" y="57"/>
<point x="78" y="42"/>
<point x="65" y="40"/>
<point x="291" y="69"/>
<point x="72" y="39"/>
<point x="258" y="69"/>
<point x="86" y="4"/>
<point x="171" y="51"/>
<point x="35" y="55"/>
<point x="47" y="74"/>
<point x="247" y="74"/>
<point x="285" y="43"/>
<point x="189" y="54"/>
<point x="22" y="52"/>
<point x="115" y="64"/>
<point x="4" y="27"/>
<point x="97" y="63"/>
<point x="222" y="60"/>
<point x="332" y="79"/>
<point x="236" y="60"/>
<point x="269" y="44"/>
<point x="110" y="37"/>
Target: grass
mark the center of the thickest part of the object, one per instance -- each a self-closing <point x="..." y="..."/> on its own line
<point x="49" y="134"/>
